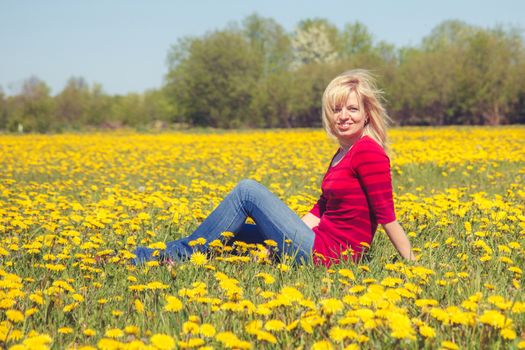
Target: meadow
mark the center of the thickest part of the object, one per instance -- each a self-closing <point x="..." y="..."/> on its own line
<point x="67" y="202"/>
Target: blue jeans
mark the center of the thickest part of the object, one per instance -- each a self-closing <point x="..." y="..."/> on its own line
<point x="274" y="221"/>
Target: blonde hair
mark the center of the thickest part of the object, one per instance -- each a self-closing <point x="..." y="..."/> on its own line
<point x="363" y="84"/>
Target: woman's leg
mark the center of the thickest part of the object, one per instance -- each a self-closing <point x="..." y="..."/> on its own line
<point x="275" y="221"/>
<point x="249" y="233"/>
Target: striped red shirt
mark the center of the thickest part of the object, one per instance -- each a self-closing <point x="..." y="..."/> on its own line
<point x="356" y="196"/>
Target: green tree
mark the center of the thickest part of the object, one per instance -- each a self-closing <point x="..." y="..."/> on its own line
<point x="425" y="87"/>
<point x="99" y="107"/>
<point x="157" y="106"/>
<point x="315" y="41"/>
<point x="72" y="104"/>
<point x="128" y="110"/>
<point x="33" y="109"/>
<point x="3" y="110"/>
<point x="449" y="33"/>
<point x="490" y="85"/>
<point x="355" y="39"/>
<point x="270" y="42"/>
<point x="213" y="78"/>
<point x="460" y="74"/>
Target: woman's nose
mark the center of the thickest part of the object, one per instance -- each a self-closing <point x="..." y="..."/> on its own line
<point x="345" y="113"/>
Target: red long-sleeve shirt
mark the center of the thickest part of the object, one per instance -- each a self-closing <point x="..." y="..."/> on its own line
<point x="356" y="196"/>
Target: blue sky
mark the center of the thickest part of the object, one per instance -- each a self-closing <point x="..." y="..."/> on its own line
<point x="122" y="44"/>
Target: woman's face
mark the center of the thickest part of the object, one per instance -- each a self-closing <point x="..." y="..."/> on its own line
<point x="348" y="120"/>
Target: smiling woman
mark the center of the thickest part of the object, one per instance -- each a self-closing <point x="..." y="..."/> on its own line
<point x="356" y="192"/>
<point x="357" y="187"/>
<point x="352" y="108"/>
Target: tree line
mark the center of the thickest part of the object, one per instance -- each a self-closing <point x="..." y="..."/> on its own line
<point x="255" y="74"/>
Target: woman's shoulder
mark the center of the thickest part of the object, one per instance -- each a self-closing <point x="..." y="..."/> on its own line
<point x="367" y="151"/>
<point x="366" y="143"/>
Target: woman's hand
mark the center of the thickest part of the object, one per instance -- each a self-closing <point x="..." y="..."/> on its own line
<point x="311" y="220"/>
<point x="399" y="239"/>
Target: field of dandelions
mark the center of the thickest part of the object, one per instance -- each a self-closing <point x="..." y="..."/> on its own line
<point x="67" y="202"/>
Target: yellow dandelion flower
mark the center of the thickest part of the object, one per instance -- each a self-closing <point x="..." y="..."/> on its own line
<point x="267" y="278"/>
<point x="332" y="306"/>
<point x="189" y="327"/>
<point x="78" y="297"/>
<point x="427" y="332"/>
<point x="139" y="306"/>
<point x="216" y="244"/>
<point x="293" y="325"/>
<point x="518" y="307"/>
<point x="173" y="304"/>
<point x="109" y="344"/>
<point x="162" y="341"/>
<point x="369" y="280"/>
<point x="15" y="335"/>
<point x="228" y="234"/>
<point x="15" y="316"/>
<point x="7" y="303"/>
<point x="508" y="333"/>
<point x="152" y="263"/>
<point x="199" y="259"/>
<point x="65" y="330"/>
<point x="132" y="279"/>
<point x="190" y="343"/>
<point x="347" y="273"/>
<point x="30" y="311"/>
<point x="283" y="267"/>
<point x="352" y="347"/>
<point x="495" y="319"/>
<point x="322" y="345"/>
<point x="37" y="341"/>
<point x="157" y="245"/>
<point x="36" y="298"/>
<point x="55" y="267"/>
<point x="70" y="307"/>
<point x="489" y="286"/>
<point x="89" y="332"/>
<point x="449" y="345"/>
<point x="156" y="285"/>
<point x="117" y="313"/>
<point x="253" y="326"/>
<point x="201" y="241"/>
<point x="114" y="333"/>
<point x="274" y="325"/>
<point x="207" y="330"/>
<point x="270" y="243"/>
<point x="426" y="302"/>
<point x="266" y="336"/>
<point x="230" y="340"/>
<point x="132" y="330"/>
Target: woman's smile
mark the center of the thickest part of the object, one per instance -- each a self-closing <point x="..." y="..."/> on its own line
<point x="349" y="120"/>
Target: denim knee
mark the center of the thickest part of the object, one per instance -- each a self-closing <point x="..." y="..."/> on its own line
<point x="247" y="185"/>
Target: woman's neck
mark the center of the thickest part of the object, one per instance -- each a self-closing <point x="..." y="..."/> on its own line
<point x="345" y="146"/>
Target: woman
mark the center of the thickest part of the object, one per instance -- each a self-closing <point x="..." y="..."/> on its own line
<point x="356" y="191"/>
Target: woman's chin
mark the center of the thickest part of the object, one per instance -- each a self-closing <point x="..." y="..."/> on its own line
<point x="347" y="136"/>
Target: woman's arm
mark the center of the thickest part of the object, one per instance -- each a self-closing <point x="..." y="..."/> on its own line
<point x="399" y="239"/>
<point x="311" y="220"/>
